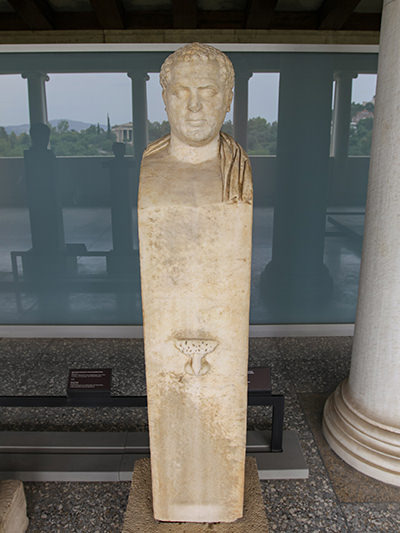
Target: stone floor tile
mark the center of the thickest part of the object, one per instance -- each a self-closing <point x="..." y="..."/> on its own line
<point x="76" y="507"/>
<point x="348" y="484"/>
<point x="73" y="419"/>
<point x="311" y="347"/>
<point x="316" y="364"/>
<point x="308" y="505"/>
<point x="23" y="346"/>
<point x="335" y="498"/>
<point x="27" y="369"/>
<point x="302" y="506"/>
<point x="318" y="374"/>
<point x="372" y="518"/>
<point x="124" y="356"/>
<point x="262" y="350"/>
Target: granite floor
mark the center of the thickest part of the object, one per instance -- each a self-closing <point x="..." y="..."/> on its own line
<point x="334" y="498"/>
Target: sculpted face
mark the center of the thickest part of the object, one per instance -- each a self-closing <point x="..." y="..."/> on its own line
<point x="196" y="100"/>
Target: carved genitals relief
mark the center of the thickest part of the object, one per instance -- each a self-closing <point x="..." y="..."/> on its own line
<point x="196" y="350"/>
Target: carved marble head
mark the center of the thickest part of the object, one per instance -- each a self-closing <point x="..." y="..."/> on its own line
<point x="197" y="82"/>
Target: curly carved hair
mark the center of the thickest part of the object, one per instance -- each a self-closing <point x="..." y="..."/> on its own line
<point x="202" y="52"/>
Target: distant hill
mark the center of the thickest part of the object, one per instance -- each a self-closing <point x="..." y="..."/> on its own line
<point x="73" y="125"/>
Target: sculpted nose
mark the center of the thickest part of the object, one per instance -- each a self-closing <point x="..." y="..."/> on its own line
<point x="194" y="103"/>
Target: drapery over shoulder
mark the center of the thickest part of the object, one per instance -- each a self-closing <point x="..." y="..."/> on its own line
<point x="235" y="168"/>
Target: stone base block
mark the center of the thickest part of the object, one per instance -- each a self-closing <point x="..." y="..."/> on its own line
<point x="139" y="512"/>
<point x="13" y="517"/>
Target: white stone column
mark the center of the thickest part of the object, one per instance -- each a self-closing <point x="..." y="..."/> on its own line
<point x="140" y="132"/>
<point x="362" y="417"/>
<point x="37" y="96"/>
<point x="342" y="113"/>
<point x="241" y="107"/>
<point x="139" y="113"/>
<point x="341" y="133"/>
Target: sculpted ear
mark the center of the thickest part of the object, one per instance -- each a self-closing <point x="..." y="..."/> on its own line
<point x="229" y="100"/>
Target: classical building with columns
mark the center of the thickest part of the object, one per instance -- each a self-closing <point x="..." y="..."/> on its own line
<point x="326" y="261"/>
<point x="123" y="133"/>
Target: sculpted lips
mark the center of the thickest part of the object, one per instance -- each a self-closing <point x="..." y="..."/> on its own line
<point x="196" y="122"/>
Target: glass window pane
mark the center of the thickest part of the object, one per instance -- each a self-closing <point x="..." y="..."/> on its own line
<point x="348" y="191"/>
<point x="68" y="222"/>
<point x="158" y="120"/>
<point x="263" y="113"/>
<point x="81" y="122"/>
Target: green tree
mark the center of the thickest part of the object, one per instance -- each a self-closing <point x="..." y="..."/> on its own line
<point x="63" y="126"/>
<point x="108" y="126"/>
<point x="96" y="141"/>
<point x="261" y="136"/>
<point x="91" y="141"/>
<point x="356" y="108"/>
<point x="157" y="129"/>
<point x="361" y="133"/>
<point x="227" y="127"/>
<point x="360" y="137"/>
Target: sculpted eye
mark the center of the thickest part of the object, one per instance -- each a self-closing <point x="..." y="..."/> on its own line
<point x="209" y="91"/>
<point x="179" y="91"/>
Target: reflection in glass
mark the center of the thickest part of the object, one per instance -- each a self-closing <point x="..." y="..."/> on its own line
<point x="296" y="280"/>
<point x="68" y="247"/>
<point x="47" y="262"/>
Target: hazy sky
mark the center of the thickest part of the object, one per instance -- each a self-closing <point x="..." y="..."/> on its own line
<point x="89" y="97"/>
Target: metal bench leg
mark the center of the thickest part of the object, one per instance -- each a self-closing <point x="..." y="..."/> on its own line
<point x="277" y="422"/>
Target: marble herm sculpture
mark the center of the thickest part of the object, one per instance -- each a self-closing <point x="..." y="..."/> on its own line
<point x="195" y="218"/>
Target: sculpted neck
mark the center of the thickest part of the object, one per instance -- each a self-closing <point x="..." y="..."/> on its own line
<point x="193" y="154"/>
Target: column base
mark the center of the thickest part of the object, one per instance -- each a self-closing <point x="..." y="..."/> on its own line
<point x="366" y="445"/>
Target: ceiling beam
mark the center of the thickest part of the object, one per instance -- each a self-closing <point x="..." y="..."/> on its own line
<point x="109" y="13"/>
<point x="184" y="13"/>
<point x="142" y="20"/>
<point x="12" y="22"/>
<point x="84" y="20"/>
<point x="221" y="19"/>
<point x="363" y="22"/>
<point x="260" y="13"/>
<point x="36" y="14"/>
<point x="149" y="20"/>
<point x="333" y="14"/>
<point x="294" y="20"/>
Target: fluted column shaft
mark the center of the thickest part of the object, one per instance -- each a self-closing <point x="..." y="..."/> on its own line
<point x="341" y="132"/>
<point x="241" y="107"/>
<point x="139" y="113"/>
<point x="342" y="113"/>
<point x="37" y="96"/>
<point x="362" y="418"/>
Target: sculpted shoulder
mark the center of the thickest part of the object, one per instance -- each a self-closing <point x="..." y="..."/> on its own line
<point x="235" y="169"/>
<point x="154" y="160"/>
<point x="157" y="146"/>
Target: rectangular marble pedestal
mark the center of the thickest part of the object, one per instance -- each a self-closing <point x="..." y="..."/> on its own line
<point x="13" y="517"/>
<point x="139" y="513"/>
<point x="195" y="271"/>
